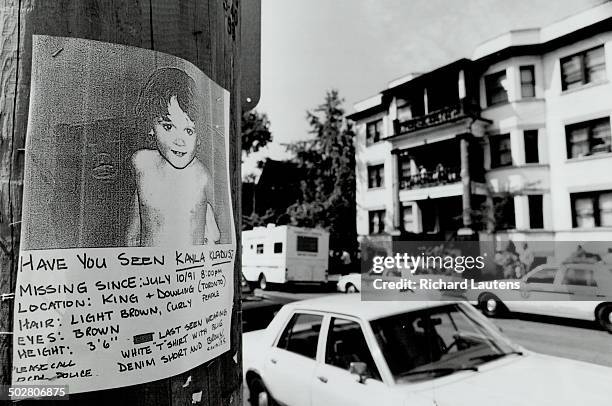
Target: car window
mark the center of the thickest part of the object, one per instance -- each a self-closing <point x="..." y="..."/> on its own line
<point x="302" y="334"/>
<point x="345" y="344"/>
<point x="418" y="344"/>
<point x="546" y="275"/>
<point x="579" y="277"/>
<point x="446" y="327"/>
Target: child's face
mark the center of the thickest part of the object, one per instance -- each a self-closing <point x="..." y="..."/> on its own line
<point x="175" y="136"/>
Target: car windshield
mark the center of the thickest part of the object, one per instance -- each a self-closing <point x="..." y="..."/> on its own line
<point x="438" y="341"/>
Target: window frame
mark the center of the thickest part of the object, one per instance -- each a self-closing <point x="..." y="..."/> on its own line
<point x="382" y="214"/>
<point x="531" y="83"/>
<point x="377" y="131"/>
<point x="533" y="134"/>
<point x="584" y="69"/>
<point x="301" y="239"/>
<point x="276" y="244"/>
<point x="379" y="170"/>
<point x="589" y="126"/>
<point x="404" y="209"/>
<point x="288" y="322"/>
<point x="492" y="81"/>
<point x="494" y="150"/>
<point x="595" y="196"/>
<point x="257" y="247"/>
<point x="328" y="329"/>
<point x="530" y="199"/>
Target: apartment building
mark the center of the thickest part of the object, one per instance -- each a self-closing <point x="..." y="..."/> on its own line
<point x="523" y="126"/>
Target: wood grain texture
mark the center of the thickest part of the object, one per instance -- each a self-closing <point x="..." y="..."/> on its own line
<point x="206" y="33"/>
<point x="10" y="182"/>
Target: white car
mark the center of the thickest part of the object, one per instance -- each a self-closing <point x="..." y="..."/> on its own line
<point x="350" y="283"/>
<point x="338" y="350"/>
<point x="572" y="290"/>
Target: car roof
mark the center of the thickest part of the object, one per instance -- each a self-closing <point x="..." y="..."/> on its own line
<point x="352" y="305"/>
<point x="596" y="266"/>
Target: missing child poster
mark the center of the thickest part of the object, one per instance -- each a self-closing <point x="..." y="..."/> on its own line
<point x="128" y="242"/>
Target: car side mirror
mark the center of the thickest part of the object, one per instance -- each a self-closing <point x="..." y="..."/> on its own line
<point x="360" y="369"/>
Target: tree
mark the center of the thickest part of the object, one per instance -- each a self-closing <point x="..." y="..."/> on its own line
<point x="495" y="214"/>
<point x="327" y="191"/>
<point x="255" y="131"/>
<point x="255" y="220"/>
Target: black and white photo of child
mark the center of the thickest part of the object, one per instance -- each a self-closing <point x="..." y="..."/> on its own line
<point x="171" y="202"/>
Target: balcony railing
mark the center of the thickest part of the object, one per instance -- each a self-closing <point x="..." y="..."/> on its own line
<point x="444" y="115"/>
<point x="437" y="177"/>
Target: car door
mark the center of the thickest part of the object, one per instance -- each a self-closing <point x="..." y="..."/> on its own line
<point x="333" y="384"/>
<point x="580" y="282"/>
<point x="540" y="292"/>
<point x="291" y="361"/>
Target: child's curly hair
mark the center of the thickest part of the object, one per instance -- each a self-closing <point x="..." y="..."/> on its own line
<point x="155" y="96"/>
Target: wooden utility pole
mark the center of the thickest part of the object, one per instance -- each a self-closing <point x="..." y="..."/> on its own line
<point x="207" y="34"/>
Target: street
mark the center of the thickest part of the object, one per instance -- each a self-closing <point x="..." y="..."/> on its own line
<point x="566" y="338"/>
<point x="578" y="340"/>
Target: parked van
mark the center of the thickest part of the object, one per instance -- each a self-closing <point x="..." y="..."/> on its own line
<point x="282" y="254"/>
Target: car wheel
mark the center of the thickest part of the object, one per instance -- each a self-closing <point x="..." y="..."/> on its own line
<point x="350" y="288"/>
<point x="604" y="317"/>
<point x="490" y="305"/>
<point x="258" y="394"/>
<point x="263" y="284"/>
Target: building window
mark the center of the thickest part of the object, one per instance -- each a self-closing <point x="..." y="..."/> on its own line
<point x="278" y="247"/>
<point x="588" y="138"/>
<point x="376" y="176"/>
<point x="532" y="155"/>
<point x="405" y="169"/>
<point x="377" y="221"/>
<point x="501" y="153"/>
<point x="260" y="249"/>
<point x="407" y="218"/>
<point x="582" y="68"/>
<point x="373" y="131"/>
<point x="527" y="81"/>
<point x="495" y="88"/>
<point x="592" y="209"/>
<point x="404" y="110"/>
<point x="536" y="211"/>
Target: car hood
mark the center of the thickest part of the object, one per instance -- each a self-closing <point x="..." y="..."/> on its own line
<point x="532" y="379"/>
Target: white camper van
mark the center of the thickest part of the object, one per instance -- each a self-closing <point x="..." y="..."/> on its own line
<point x="281" y="254"/>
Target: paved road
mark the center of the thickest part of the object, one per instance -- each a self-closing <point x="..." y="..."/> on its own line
<point x="566" y="338"/>
<point x="582" y="341"/>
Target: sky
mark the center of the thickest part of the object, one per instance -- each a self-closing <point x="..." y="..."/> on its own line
<point x="357" y="46"/>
